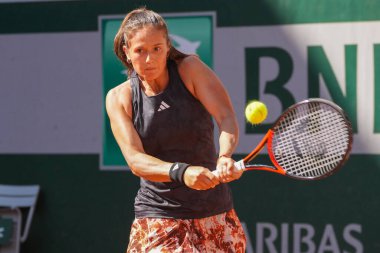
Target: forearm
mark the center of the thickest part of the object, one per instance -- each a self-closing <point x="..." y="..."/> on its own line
<point x="153" y="169"/>
<point x="229" y="136"/>
<point x="149" y="167"/>
<point x="228" y="141"/>
<point x="119" y="110"/>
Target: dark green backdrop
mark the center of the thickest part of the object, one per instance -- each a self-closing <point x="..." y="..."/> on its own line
<point x="82" y="209"/>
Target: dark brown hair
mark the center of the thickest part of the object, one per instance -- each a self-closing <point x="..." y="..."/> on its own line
<point x="134" y="21"/>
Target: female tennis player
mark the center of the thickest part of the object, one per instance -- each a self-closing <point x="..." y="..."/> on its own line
<point x="161" y="118"/>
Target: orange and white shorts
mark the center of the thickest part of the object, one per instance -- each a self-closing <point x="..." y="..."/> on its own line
<point x="220" y="233"/>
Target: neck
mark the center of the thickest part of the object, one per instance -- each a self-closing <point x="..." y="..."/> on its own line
<point x="155" y="86"/>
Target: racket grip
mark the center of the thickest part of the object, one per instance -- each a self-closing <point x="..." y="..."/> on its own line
<point x="239" y="165"/>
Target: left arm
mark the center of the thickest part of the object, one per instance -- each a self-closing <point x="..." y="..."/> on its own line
<point x="203" y="83"/>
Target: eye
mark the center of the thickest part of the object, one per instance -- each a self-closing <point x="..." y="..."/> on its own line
<point x="139" y="50"/>
<point x="157" y="49"/>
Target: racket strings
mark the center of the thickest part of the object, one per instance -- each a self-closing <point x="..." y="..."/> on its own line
<point x="310" y="140"/>
<point x="326" y="160"/>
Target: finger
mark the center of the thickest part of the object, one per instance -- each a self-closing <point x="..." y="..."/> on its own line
<point x="223" y="171"/>
<point x="211" y="182"/>
<point x="205" y="183"/>
<point x="214" y="177"/>
<point x="231" y="169"/>
<point x="218" y="173"/>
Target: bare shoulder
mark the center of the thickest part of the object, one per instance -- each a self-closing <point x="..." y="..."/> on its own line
<point x="193" y="72"/>
<point x="190" y="64"/>
<point x="119" y="93"/>
<point x="119" y="97"/>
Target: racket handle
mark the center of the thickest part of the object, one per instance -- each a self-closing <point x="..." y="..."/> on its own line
<point x="239" y="165"/>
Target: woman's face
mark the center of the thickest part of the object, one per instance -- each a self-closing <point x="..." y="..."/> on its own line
<point x="148" y="50"/>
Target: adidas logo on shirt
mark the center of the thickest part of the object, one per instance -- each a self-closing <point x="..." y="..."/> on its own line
<point x="176" y="167"/>
<point x="163" y="106"/>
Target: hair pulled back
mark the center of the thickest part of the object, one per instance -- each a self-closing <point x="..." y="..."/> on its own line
<point x="135" y="20"/>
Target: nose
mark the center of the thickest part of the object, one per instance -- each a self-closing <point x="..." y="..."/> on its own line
<point x="149" y="58"/>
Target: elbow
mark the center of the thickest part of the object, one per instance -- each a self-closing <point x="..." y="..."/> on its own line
<point x="132" y="160"/>
<point x="134" y="171"/>
<point x="133" y="166"/>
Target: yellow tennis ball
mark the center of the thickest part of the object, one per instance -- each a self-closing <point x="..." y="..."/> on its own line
<point x="256" y="112"/>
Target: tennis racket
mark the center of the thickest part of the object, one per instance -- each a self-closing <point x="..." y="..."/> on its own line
<point x="310" y="140"/>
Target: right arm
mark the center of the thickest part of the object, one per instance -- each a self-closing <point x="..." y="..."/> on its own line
<point x="119" y="109"/>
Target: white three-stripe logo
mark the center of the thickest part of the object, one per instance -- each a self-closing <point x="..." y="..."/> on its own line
<point x="163" y="106"/>
<point x="176" y="167"/>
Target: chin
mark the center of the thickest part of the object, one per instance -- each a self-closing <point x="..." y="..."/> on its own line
<point x="150" y="77"/>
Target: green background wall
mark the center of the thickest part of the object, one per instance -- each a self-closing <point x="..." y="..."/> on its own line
<point x="84" y="209"/>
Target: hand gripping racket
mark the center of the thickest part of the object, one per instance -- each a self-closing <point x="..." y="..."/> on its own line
<point x="310" y="140"/>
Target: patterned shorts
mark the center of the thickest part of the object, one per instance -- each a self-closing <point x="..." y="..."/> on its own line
<point x="220" y="233"/>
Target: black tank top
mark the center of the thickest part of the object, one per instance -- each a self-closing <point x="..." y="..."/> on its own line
<point x="175" y="127"/>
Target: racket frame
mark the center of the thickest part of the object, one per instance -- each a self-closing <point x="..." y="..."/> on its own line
<point x="267" y="140"/>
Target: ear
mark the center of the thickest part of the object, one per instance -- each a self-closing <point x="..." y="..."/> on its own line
<point x="168" y="51"/>
<point x="169" y="45"/>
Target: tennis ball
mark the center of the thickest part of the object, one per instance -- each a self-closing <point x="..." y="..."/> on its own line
<point x="256" y="112"/>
